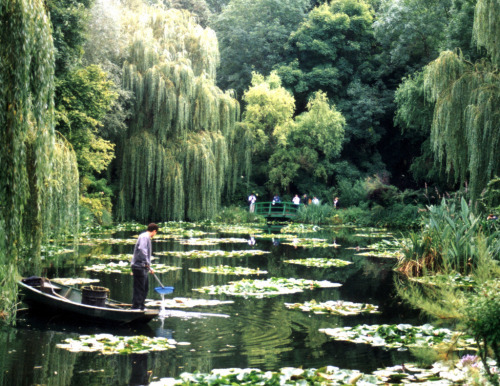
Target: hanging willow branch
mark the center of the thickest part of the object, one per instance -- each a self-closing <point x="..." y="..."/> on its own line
<point x="465" y="133"/>
<point x="486" y="29"/>
<point x="30" y="152"/>
<point x="177" y="157"/>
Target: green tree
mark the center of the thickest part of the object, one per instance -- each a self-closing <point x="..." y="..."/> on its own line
<point x="336" y="52"/>
<point x="69" y="20"/>
<point x="28" y="156"/>
<point x="412" y="31"/>
<point x="199" y="8"/>
<point x="464" y="131"/>
<point x="84" y="96"/>
<point x="267" y="117"/>
<point x="310" y="144"/>
<point x="252" y="35"/>
<point x="178" y="153"/>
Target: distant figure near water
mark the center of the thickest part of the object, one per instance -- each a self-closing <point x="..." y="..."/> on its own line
<point x="252" y="199"/>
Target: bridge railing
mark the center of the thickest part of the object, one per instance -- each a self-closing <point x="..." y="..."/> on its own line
<point x="276" y="210"/>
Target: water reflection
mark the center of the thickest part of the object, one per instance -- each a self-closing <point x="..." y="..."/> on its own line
<point x="258" y="333"/>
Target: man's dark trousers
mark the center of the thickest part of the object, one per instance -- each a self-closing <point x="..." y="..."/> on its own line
<point x="141" y="285"/>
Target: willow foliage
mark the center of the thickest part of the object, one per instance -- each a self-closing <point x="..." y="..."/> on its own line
<point x="26" y="134"/>
<point x="464" y="133"/>
<point x="177" y="157"/>
<point x="487" y="28"/>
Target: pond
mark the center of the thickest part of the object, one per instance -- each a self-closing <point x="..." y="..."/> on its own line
<point x="239" y="331"/>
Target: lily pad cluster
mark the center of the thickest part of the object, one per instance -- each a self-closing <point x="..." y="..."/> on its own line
<point x="109" y="241"/>
<point x="311" y="243"/>
<point x="262" y="288"/>
<point x="236" y="229"/>
<point x="319" y="262"/>
<point x="196" y="254"/>
<point x="228" y="270"/>
<point x="328" y="375"/>
<point x="212" y="241"/>
<point x="124" y="267"/>
<point x="300" y="228"/>
<point x="110" y="344"/>
<point x="401" y="335"/>
<point x="74" y="281"/>
<point x="186" y="303"/>
<point x="334" y="307"/>
<point x="382" y="254"/>
<point x="121" y="256"/>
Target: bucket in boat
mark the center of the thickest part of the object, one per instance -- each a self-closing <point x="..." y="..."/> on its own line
<point x="94" y="295"/>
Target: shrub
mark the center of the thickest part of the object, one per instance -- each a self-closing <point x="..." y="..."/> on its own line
<point x="483" y="320"/>
<point x="316" y="214"/>
<point x="351" y="193"/>
<point x="356" y="215"/>
<point x="237" y="215"/>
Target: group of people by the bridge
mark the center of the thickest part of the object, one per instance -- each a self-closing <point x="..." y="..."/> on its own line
<point x="306" y="200"/>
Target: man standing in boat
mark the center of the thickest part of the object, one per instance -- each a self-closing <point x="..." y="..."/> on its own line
<point x="141" y="266"/>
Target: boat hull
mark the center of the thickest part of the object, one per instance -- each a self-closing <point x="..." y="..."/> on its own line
<point x="67" y="300"/>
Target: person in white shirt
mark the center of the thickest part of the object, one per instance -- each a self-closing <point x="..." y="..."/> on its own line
<point x="251" y="199"/>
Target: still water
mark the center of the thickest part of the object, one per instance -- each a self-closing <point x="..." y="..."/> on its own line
<point x="257" y="333"/>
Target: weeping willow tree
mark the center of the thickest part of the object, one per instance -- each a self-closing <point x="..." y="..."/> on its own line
<point x="27" y="138"/>
<point x="181" y="151"/>
<point x="465" y="132"/>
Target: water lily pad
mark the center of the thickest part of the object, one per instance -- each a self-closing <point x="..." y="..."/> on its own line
<point x="401" y="335"/>
<point x="196" y="254"/>
<point x="300" y="228"/>
<point x="270" y="287"/>
<point x="186" y="303"/>
<point x="319" y="262"/>
<point x="110" y="344"/>
<point x="236" y="229"/>
<point x="124" y="267"/>
<point x="212" y="241"/>
<point x="228" y="270"/>
<point x="329" y="375"/>
<point x="334" y="307"/>
<point x="74" y="281"/>
<point x="382" y="254"/>
<point x="311" y="243"/>
<point x="121" y="256"/>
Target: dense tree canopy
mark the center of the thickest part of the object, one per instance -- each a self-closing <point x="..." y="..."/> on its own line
<point x="336" y="52"/>
<point x="252" y="35"/>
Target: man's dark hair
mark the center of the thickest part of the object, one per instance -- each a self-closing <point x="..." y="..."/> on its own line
<point x="152" y="227"/>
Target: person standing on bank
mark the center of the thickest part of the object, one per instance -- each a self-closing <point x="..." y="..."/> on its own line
<point x="141" y="266"/>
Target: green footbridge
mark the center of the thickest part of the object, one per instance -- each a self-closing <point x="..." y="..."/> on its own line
<point x="277" y="211"/>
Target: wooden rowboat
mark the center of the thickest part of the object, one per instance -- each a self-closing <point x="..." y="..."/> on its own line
<point x="43" y="295"/>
